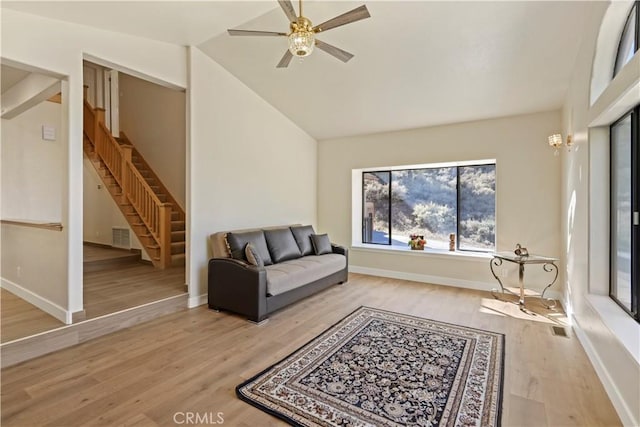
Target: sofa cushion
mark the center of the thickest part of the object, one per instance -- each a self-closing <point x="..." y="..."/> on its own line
<point x="238" y="241"/>
<point x="321" y="244"/>
<point x="252" y="255"/>
<point x="302" y="234"/>
<point x="288" y="275"/>
<point x="282" y="245"/>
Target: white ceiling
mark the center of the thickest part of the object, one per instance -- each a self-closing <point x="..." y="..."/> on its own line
<point x="179" y="22"/>
<point x="416" y="63"/>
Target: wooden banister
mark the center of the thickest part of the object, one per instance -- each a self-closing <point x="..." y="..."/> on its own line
<point x="163" y="189"/>
<point x="155" y="214"/>
<point x="88" y="121"/>
<point x="56" y="226"/>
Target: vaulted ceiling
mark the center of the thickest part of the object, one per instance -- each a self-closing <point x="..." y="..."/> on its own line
<point x="416" y="63"/>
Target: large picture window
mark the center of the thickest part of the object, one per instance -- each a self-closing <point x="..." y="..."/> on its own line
<point x="625" y="195"/>
<point x="431" y="201"/>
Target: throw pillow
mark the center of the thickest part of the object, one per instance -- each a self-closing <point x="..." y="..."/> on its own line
<point x="282" y="246"/>
<point x="302" y="234"/>
<point x="253" y="257"/>
<point x="321" y="244"/>
<point x="238" y="241"/>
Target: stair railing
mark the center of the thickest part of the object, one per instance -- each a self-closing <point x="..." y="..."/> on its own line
<point x="124" y="139"/>
<point x="155" y="214"/>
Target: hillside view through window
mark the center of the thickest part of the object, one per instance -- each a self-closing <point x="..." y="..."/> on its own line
<point x="433" y="202"/>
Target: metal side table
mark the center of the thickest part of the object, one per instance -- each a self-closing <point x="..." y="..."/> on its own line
<point x="548" y="265"/>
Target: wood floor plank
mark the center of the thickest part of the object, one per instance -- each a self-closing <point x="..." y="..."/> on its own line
<point x="192" y="360"/>
<point x="19" y="319"/>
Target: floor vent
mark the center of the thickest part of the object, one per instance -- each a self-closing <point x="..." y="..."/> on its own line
<point x="559" y="331"/>
<point x="120" y="238"/>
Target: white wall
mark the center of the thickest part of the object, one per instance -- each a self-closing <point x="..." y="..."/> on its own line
<point x="32" y="168"/>
<point x="60" y="47"/>
<point x="34" y="267"/>
<point x="154" y="119"/>
<point x="101" y="213"/>
<point x="527" y="190"/>
<point x="250" y="165"/>
<point x="33" y="181"/>
<point x="609" y="335"/>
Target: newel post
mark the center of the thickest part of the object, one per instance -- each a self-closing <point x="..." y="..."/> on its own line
<point x="165" y="235"/>
<point x="126" y="158"/>
<point x="98" y="118"/>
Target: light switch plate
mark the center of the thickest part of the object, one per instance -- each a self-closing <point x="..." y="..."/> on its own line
<point x="48" y="133"/>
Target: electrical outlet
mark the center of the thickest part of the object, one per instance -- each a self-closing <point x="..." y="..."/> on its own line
<point x="18" y="271"/>
<point x="504" y="272"/>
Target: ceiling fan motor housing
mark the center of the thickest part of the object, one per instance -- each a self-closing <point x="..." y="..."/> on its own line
<point x="302" y="38"/>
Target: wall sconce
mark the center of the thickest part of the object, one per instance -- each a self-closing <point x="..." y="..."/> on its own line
<point x="555" y="141"/>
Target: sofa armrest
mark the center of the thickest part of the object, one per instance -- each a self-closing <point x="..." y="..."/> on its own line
<point x="239" y="287"/>
<point x="337" y="249"/>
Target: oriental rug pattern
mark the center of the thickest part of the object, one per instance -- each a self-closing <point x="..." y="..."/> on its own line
<point x="379" y="368"/>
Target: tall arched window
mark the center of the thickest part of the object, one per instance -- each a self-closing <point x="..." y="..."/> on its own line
<point x="630" y="39"/>
<point x="624" y="262"/>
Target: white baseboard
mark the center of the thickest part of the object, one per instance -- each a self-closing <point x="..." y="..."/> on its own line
<point x="436" y="280"/>
<point x="42" y="303"/>
<point x="197" y="301"/>
<point x="626" y="415"/>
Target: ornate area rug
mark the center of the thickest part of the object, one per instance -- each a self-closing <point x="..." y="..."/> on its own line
<point x="379" y="368"/>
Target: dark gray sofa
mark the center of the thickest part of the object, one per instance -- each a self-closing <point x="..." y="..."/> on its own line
<point x="293" y="271"/>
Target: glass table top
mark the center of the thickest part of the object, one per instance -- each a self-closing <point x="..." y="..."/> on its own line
<point x="529" y="259"/>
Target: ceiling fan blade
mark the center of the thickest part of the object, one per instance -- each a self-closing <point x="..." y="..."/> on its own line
<point x="342" y="55"/>
<point x="288" y="10"/>
<point x="254" y="33"/>
<point x="286" y="59"/>
<point x="346" y="18"/>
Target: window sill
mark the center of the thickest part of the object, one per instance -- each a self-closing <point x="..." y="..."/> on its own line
<point x="625" y="328"/>
<point x="427" y="252"/>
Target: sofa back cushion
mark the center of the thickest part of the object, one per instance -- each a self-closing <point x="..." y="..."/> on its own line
<point x="238" y="242"/>
<point x="302" y="234"/>
<point x="282" y="245"/>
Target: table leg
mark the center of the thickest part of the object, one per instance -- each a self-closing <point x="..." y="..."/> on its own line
<point x="549" y="302"/>
<point x="521" y="282"/>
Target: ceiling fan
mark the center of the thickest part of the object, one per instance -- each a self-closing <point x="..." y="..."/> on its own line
<point x="302" y="33"/>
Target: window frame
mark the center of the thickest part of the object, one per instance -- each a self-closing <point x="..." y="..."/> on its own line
<point x="635" y="11"/>
<point x="457" y="166"/>
<point x="634" y="312"/>
<point x="364" y="201"/>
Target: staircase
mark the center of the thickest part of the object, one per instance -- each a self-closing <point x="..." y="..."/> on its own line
<point x="152" y="212"/>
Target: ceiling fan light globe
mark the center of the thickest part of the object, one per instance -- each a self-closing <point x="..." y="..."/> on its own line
<point x="301" y="43"/>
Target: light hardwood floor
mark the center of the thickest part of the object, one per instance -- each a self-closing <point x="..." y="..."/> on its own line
<point x="129" y="285"/>
<point x="191" y="362"/>
<point x="113" y="281"/>
<point x="21" y="319"/>
<point x="92" y="253"/>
